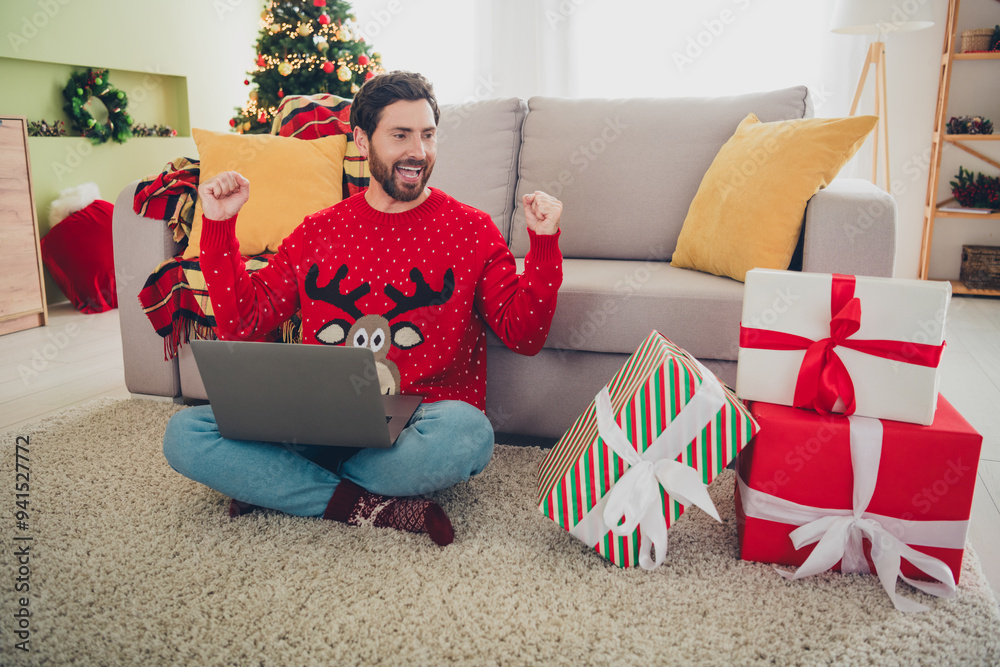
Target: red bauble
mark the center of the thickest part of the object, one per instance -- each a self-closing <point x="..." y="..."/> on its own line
<point x="324" y="19"/>
<point x="362" y="60"/>
<point x="246" y="82"/>
<point x="262" y="118"/>
<point x="328" y="67"/>
<point x="232" y="122"/>
<point x="319" y="3"/>
<point x="369" y="75"/>
<point x="260" y="61"/>
<point x="281" y="92"/>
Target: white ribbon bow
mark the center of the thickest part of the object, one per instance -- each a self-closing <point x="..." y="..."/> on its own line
<point x="636" y="497"/>
<point x="838" y="533"/>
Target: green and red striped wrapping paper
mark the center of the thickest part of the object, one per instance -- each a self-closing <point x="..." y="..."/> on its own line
<point x="648" y="392"/>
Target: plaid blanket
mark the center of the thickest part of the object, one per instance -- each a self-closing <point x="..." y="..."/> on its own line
<point x="323" y="115"/>
<point x="170" y="196"/>
<point x="175" y="299"/>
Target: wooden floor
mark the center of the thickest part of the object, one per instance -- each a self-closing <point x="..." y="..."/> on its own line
<point x="79" y="357"/>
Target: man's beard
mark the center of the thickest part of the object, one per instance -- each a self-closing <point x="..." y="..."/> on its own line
<point x="388" y="178"/>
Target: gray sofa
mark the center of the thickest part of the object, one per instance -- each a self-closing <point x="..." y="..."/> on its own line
<point x="626" y="171"/>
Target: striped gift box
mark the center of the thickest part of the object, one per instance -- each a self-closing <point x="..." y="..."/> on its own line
<point x="646" y="396"/>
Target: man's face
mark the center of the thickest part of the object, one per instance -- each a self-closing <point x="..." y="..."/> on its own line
<point x="403" y="148"/>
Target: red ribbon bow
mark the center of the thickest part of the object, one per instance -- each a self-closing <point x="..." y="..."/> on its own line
<point x="823" y="378"/>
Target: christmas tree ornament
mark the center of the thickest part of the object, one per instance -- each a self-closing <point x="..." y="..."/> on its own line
<point x="369" y="75"/>
<point x="300" y="49"/>
<point x="246" y="82"/>
<point x="354" y="89"/>
<point x="262" y="118"/>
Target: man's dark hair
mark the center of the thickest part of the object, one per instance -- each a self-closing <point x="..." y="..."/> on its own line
<point x="382" y="90"/>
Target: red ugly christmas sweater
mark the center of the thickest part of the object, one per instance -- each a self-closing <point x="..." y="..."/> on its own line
<point x="417" y="287"/>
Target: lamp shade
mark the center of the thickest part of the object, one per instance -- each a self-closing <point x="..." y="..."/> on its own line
<point x="874" y="17"/>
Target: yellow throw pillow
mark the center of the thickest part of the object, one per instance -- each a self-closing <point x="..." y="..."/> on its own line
<point x="749" y="207"/>
<point x="289" y="179"/>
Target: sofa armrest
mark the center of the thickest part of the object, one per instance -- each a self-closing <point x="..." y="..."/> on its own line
<point x="850" y="227"/>
<point x="140" y="244"/>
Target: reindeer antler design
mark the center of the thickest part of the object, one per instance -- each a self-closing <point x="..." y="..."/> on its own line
<point x="377" y="332"/>
<point x="331" y="292"/>
<point x="422" y="296"/>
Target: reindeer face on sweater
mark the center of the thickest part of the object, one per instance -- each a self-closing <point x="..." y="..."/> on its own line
<point x="380" y="333"/>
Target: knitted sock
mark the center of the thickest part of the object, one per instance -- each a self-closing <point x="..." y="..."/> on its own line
<point x="353" y="505"/>
<point x="237" y="508"/>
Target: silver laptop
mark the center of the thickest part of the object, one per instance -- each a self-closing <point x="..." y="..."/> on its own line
<point x="308" y="395"/>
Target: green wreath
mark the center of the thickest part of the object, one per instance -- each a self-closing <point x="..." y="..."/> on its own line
<point x="94" y="83"/>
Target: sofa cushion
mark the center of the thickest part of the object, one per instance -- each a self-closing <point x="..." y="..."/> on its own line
<point x="628" y="169"/>
<point x="478" y="146"/>
<point x="323" y="115"/>
<point x="289" y="179"/>
<point x="749" y="207"/>
<point x="607" y="305"/>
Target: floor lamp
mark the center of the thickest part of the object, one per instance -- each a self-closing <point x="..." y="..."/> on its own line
<point x="878" y="17"/>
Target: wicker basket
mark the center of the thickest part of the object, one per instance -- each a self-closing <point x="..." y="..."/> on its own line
<point x="976" y="40"/>
<point x="981" y="266"/>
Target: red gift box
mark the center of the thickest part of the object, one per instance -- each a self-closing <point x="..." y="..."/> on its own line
<point x="801" y="466"/>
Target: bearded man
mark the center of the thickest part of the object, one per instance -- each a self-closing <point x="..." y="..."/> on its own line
<point x="400" y="265"/>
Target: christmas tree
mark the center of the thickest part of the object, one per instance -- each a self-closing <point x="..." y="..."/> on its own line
<point x="305" y="47"/>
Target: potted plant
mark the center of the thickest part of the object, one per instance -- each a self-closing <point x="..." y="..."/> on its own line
<point x="979" y="191"/>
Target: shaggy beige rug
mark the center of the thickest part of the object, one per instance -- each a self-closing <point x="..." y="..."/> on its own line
<point x="132" y="564"/>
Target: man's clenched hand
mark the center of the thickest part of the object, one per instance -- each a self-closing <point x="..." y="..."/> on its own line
<point x="222" y="197"/>
<point x="542" y="212"/>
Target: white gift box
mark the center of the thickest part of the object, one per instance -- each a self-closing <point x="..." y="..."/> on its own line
<point x="811" y="339"/>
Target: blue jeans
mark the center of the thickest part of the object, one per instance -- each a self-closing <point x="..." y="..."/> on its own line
<point x="444" y="443"/>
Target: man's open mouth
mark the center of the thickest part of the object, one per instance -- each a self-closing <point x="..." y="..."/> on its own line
<point x="410" y="174"/>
